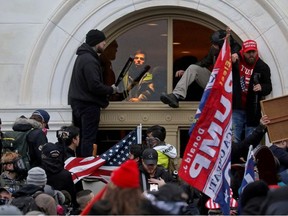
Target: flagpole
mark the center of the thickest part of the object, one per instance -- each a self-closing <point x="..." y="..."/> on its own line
<point x="139" y="134"/>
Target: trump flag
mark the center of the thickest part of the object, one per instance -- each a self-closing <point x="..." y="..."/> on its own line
<point x="206" y="162"/>
<point x="101" y="167"/>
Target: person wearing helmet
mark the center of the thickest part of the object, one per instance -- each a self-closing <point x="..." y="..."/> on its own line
<point x="199" y="72"/>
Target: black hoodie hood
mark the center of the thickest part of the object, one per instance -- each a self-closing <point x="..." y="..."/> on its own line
<point x="27" y="190"/>
<point x="85" y="48"/>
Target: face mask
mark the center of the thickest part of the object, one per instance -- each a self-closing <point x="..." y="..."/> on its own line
<point x="3" y="201"/>
<point x="45" y="130"/>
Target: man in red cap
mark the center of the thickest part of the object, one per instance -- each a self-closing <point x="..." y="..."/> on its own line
<point x="251" y="83"/>
<point x="88" y="93"/>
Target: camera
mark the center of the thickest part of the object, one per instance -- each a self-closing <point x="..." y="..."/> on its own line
<point x="61" y="134"/>
<point x="175" y="174"/>
<point x="154" y="187"/>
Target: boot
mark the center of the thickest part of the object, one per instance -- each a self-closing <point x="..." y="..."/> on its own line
<point x="170" y="99"/>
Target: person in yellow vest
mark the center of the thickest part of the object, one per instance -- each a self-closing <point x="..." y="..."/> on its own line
<point x="155" y="139"/>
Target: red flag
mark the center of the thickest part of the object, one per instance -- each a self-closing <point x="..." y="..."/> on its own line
<point x="206" y="161"/>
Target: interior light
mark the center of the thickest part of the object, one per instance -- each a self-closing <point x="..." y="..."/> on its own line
<point x="152" y="24"/>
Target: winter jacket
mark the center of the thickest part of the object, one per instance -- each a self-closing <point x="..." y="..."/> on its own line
<point x="35" y="138"/>
<point x="211" y="58"/>
<point x="45" y="202"/>
<point x="69" y="153"/>
<point x="282" y="155"/>
<point x="253" y="109"/>
<point x="27" y="190"/>
<point x="87" y="84"/>
<point x="241" y="149"/>
<point x="58" y="177"/>
<point x="14" y="184"/>
<point x="161" y="172"/>
<point x="165" y="152"/>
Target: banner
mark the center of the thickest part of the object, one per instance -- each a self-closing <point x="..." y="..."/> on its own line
<point x="206" y="162"/>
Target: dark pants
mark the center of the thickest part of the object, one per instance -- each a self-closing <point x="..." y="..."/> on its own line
<point x="86" y="117"/>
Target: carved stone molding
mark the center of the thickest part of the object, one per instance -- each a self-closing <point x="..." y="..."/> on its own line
<point x="150" y="113"/>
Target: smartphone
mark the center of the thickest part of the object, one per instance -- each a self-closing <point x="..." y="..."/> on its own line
<point x="154" y="187"/>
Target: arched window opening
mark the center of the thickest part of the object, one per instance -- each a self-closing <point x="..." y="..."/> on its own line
<point x="166" y="45"/>
<point x="167" y="39"/>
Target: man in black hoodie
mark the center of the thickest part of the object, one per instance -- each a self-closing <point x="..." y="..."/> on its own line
<point x="53" y="164"/>
<point x="87" y="92"/>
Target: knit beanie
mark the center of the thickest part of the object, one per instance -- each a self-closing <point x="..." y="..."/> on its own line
<point x="94" y="37"/>
<point x="37" y="176"/>
<point x="127" y="175"/>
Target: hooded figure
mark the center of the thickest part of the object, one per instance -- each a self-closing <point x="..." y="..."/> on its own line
<point x="53" y="163"/>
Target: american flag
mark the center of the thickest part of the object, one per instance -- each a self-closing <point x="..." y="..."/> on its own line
<point x="102" y="166"/>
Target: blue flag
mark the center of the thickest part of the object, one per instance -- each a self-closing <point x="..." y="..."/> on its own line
<point x="249" y="175"/>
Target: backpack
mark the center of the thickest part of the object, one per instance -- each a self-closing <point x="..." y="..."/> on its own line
<point x="16" y="141"/>
<point x="26" y="203"/>
<point x="172" y="165"/>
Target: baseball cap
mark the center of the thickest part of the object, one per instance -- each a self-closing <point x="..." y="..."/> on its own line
<point x="150" y="156"/>
<point x="249" y="45"/>
<point x="6" y="189"/>
<point x="51" y="150"/>
<point x="43" y="114"/>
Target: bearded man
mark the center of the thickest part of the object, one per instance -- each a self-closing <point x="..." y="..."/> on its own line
<point x="251" y="83"/>
<point x="88" y="93"/>
<point x="152" y="176"/>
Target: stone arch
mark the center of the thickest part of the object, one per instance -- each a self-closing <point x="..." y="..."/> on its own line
<point x="50" y="64"/>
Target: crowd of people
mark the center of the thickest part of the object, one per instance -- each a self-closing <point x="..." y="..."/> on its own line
<point x="33" y="179"/>
<point x="147" y="183"/>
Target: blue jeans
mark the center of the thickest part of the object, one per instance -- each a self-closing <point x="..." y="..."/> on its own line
<point x="239" y="126"/>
